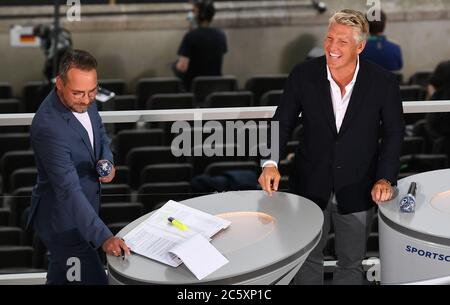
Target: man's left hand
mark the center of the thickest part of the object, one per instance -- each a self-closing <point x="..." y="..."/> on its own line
<point x="382" y="191"/>
<point x="110" y="177"/>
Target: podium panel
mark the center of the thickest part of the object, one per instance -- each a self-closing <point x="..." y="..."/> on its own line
<point x="415" y="247"/>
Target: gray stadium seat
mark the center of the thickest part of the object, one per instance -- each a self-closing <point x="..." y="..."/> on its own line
<point x="129" y="139"/>
<point x="202" y="86"/>
<point x="120" y="212"/>
<point x="171" y="101"/>
<point x="146" y="87"/>
<point x="229" y="99"/>
<point x="260" y="84"/>
<point x="168" y="172"/>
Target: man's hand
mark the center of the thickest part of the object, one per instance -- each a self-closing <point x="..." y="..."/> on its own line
<point x="382" y="191"/>
<point x="110" y="177"/>
<point x="269" y="179"/>
<point x="114" y="246"/>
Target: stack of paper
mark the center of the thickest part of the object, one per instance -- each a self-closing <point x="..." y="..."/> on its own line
<point x="158" y="239"/>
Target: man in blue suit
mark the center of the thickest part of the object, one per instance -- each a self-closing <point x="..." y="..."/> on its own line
<point x="68" y="138"/>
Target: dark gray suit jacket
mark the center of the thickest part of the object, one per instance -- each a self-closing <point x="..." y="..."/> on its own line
<point x="349" y="162"/>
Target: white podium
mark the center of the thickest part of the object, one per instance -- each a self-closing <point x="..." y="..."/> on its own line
<point x="268" y="240"/>
<point x="415" y="247"/>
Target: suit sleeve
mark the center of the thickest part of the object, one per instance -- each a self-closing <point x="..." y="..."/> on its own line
<point x="55" y="156"/>
<point x="392" y="134"/>
<point x="287" y="112"/>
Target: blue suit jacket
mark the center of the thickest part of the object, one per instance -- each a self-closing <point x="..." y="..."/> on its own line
<point x="67" y="194"/>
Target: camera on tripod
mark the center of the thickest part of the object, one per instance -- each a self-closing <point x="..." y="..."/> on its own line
<point x="46" y="33"/>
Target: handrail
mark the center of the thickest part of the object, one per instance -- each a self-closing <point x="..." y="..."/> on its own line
<point x="235" y="113"/>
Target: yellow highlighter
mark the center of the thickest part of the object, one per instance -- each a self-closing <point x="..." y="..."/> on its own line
<point x="178" y="224"/>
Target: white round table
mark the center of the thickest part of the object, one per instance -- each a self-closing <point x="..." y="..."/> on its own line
<point x="268" y="240"/>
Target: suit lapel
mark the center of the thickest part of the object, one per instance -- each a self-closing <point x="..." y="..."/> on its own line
<point x="95" y="132"/>
<point x="325" y="96"/>
<point x="78" y="127"/>
<point x="356" y="100"/>
<point x="73" y="123"/>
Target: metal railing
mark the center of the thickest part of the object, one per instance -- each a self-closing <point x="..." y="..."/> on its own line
<point x="235" y="113"/>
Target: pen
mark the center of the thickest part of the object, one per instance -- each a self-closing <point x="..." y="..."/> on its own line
<point x="177" y="224"/>
<point x="122" y="251"/>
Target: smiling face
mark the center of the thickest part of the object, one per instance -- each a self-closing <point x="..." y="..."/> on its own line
<point x="341" y="47"/>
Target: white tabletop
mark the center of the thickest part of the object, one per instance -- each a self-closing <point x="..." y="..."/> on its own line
<point x="264" y="231"/>
<point x="432" y="214"/>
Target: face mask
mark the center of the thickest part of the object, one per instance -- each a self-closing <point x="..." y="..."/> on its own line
<point x="192" y="18"/>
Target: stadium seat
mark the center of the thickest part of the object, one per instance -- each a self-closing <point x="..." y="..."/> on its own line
<point x="120" y="212"/>
<point x="201" y="162"/>
<point x="202" y="86"/>
<point x="5" y="215"/>
<point x="146" y="87"/>
<point x="14" y="141"/>
<point x="129" y="139"/>
<point x="5" y="90"/>
<point x="138" y="158"/>
<point x="115" y="193"/>
<point x="271" y="98"/>
<point x="284" y="167"/>
<point x="18" y="202"/>
<point x="168" y="172"/>
<point x="10" y="105"/>
<point x="171" y="101"/>
<point x="283" y="184"/>
<point x="229" y="99"/>
<point x="12" y="161"/>
<point x="261" y="84"/>
<point x="153" y="194"/>
<point x="16" y="256"/>
<point x="423" y="162"/>
<point x="122" y="102"/>
<point x="420" y="78"/>
<point x="412" y="93"/>
<point x="118" y="86"/>
<point x="10" y="236"/>
<point x="218" y="168"/>
<point x="23" y="177"/>
<point x="413" y="145"/>
<point x="122" y="175"/>
<point x="34" y="93"/>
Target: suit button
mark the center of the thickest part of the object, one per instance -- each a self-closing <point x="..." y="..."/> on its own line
<point x="98" y="192"/>
<point x="338" y="167"/>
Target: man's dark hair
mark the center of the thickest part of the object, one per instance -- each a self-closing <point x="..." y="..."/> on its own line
<point x="206" y="10"/>
<point x="76" y="59"/>
<point x="377" y="26"/>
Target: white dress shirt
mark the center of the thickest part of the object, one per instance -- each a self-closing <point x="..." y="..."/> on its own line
<point x="85" y="120"/>
<point x="340" y="103"/>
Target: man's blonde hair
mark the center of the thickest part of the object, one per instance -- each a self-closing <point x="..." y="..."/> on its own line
<point x="355" y="19"/>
